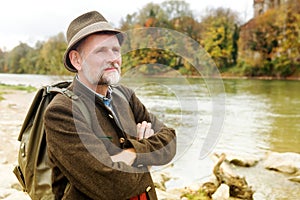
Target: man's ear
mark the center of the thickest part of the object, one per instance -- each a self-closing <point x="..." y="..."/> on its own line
<point x="75" y="59"/>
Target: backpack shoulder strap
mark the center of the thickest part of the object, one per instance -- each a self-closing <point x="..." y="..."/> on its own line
<point x="75" y="99"/>
<point x="78" y="102"/>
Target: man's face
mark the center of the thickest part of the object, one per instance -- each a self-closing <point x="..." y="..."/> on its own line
<point x="101" y="59"/>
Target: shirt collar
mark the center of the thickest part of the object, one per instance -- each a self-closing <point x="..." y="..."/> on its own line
<point x="104" y="98"/>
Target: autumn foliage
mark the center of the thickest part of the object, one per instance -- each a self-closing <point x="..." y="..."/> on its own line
<point x="267" y="45"/>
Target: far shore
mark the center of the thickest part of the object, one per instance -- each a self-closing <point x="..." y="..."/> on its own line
<point x="225" y="77"/>
<point x="176" y="74"/>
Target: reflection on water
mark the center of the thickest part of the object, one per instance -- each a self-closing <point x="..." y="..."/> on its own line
<point x="259" y="115"/>
<point x="285" y="114"/>
<point x="277" y="106"/>
<point x="29" y="79"/>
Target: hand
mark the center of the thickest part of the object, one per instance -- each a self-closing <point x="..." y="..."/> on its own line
<point x="144" y="130"/>
<point x="127" y="156"/>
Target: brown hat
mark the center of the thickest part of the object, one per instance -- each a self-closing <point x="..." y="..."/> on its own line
<point x="83" y="26"/>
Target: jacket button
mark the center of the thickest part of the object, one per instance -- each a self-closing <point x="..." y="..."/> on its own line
<point x="148" y="188"/>
<point x="122" y="140"/>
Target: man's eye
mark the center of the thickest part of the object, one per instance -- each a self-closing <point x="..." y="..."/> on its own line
<point x="100" y="51"/>
<point x="116" y="49"/>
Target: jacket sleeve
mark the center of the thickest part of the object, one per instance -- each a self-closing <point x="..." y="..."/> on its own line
<point x="83" y="159"/>
<point x="158" y="149"/>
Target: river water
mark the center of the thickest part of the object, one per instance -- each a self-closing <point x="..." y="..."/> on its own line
<point x="249" y="117"/>
<point x="258" y="116"/>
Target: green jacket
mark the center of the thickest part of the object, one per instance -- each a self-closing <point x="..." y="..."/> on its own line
<point x="80" y="151"/>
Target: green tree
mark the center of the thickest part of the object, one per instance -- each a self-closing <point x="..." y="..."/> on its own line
<point x="2" y="61"/>
<point x="286" y="59"/>
<point x="51" y="54"/>
<point x="220" y="35"/>
<point x="28" y="62"/>
<point x="15" y="58"/>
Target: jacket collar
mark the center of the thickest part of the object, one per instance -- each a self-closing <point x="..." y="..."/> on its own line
<point x="82" y="90"/>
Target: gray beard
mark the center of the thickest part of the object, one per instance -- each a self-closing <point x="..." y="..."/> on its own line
<point x="100" y="79"/>
<point x="112" y="80"/>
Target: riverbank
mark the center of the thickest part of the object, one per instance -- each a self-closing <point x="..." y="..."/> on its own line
<point x="12" y="110"/>
<point x="223" y="75"/>
<point x="264" y="181"/>
<point x="272" y="176"/>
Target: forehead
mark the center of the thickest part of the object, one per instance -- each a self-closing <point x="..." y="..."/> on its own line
<point x="100" y="39"/>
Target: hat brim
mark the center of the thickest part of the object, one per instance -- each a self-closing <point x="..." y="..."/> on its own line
<point x="93" y="28"/>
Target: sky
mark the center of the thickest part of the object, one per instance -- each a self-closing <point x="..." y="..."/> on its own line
<point x="31" y="20"/>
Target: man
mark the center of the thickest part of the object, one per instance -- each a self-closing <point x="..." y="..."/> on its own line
<point x="107" y="157"/>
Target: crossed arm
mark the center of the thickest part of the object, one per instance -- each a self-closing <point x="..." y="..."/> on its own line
<point x="144" y="130"/>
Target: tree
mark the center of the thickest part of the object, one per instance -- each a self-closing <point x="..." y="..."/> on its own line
<point x="174" y="15"/>
<point x="51" y="54"/>
<point x="286" y="57"/>
<point x="15" y="59"/>
<point x="220" y="35"/>
<point x="2" y="61"/>
<point x="176" y="9"/>
<point x="270" y="44"/>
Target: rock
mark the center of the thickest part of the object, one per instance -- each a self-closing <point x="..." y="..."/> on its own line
<point x="242" y="161"/>
<point x="283" y="162"/>
<point x="259" y="196"/>
<point x="295" y="179"/>
<point x="222" y="193"/>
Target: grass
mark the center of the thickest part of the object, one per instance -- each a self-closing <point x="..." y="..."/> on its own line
<point x="4" y="89"/>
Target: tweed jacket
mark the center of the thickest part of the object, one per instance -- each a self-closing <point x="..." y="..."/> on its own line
<point x="80" y="151"/>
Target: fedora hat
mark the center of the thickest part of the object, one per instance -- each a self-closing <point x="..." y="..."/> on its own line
<point x="83" y="26"/>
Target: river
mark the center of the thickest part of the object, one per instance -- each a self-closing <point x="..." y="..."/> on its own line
<point x="257" y="116"/>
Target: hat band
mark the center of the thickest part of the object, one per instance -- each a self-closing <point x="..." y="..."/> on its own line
<point x="96" y="27"/>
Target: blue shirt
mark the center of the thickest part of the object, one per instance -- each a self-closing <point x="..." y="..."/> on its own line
<point x="106" y="99"/>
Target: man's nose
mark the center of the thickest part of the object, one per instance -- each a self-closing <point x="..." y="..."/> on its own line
<point x="113" y="55"/>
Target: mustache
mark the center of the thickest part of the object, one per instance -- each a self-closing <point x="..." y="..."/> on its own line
<point x="116" y="65"/>
<point x="112" y="65"/>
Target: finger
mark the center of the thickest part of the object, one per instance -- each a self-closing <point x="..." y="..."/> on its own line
<point x="146" y="125"/>
<point x="141" y="131"/>
<point x="147" y="130"/>
<point x="138" y="127"/>
<point x="149" y="125"/>
<point x="149" y="133"/>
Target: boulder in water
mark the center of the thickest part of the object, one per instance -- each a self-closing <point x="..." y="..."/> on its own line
<point x="287" y="162"/>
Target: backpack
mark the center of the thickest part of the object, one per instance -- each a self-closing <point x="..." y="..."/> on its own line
<point x="33" y="170"/>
